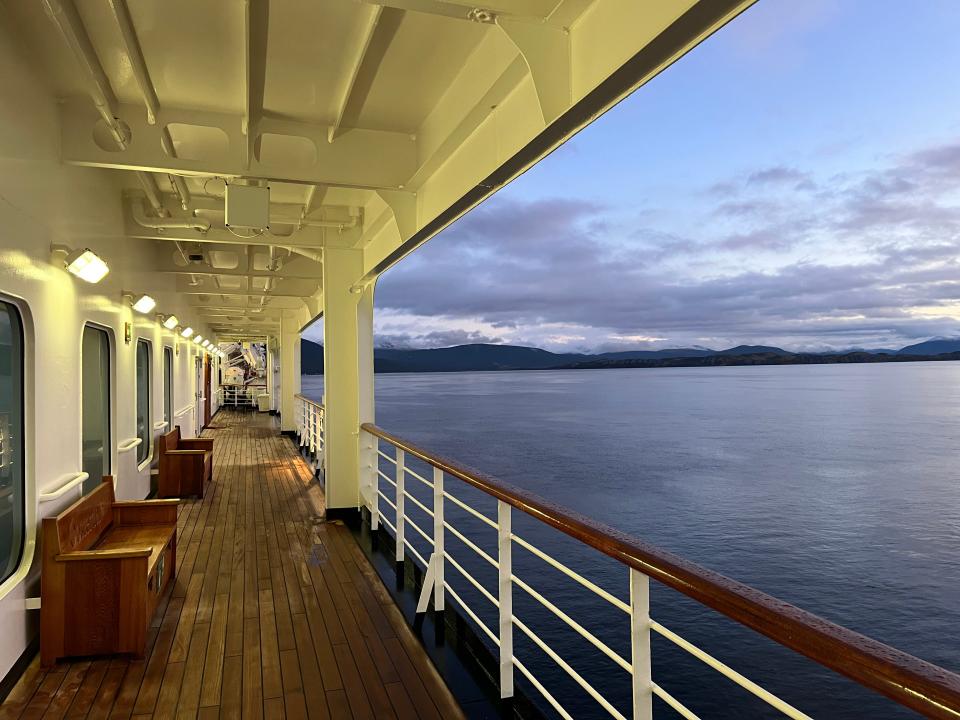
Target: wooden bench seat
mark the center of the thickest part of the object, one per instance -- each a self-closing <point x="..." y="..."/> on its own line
<point x="104" y="566"/>
<point x="186" y="465"/>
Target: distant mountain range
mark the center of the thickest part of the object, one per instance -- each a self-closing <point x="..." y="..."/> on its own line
<point x="515" y="357"/>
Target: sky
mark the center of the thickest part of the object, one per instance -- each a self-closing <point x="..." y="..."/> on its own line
<point x="794" y="181"/>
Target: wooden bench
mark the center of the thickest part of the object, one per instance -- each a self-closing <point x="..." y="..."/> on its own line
<point x="186" y="466"/>
<point x="105" y="565"/>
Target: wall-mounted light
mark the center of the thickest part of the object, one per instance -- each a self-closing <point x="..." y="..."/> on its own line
<point x="198" y="339"/>
<point x="171" y="322"/>
<point x="206" y="343"/>
<point x="85" y="264"/>
<point x="187" y="332"/>
<point x="140" y="303"/>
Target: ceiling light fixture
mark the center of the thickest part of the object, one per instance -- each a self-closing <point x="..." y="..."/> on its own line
<point x="198" y="339"/>
<point x="171" y="322"/>
<point x="187" y="332"/>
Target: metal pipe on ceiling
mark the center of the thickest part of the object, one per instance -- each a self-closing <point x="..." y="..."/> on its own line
<point x="138" y="65"/>
<point x="140" y="216"/>
<point x="152" y="192"/>
<point x="121" y="12"/>
<point x="64" y="15"/>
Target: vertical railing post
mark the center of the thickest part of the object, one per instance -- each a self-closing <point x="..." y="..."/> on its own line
<point x="401" y="474"/>
<point x="438" y="539"/>
<point x="298" y="419"/>
<point x="375" y="484"/>
<point x="640" y="645"/>
<point x="505" y="597"/>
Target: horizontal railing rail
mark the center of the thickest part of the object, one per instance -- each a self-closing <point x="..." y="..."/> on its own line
<point x="908" y="680"/>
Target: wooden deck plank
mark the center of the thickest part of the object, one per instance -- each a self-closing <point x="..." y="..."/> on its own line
<point x="273" y="612"/>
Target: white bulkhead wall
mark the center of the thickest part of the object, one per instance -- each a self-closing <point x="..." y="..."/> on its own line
<point x="43" y="202"/>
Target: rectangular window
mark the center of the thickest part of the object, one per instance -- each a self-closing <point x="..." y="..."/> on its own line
<point x="144" y="424"/>
<point x="95" y="401"/>
<point x="12" y="477"/>
<point x="168" y="388"/>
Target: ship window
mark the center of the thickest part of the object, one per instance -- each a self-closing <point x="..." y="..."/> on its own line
<point x="95" y="401"/>
<point x="12" y="506"/>
<point x="168" y="387"/>
<point x="143" y="401"/>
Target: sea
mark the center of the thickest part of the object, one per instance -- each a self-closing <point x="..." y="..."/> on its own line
<point x="833" y="487"/>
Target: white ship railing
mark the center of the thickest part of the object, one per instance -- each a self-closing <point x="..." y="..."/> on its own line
<point x="309" y="423"/>
<point x="914" y="683"/>
<point x="236" y="396"/>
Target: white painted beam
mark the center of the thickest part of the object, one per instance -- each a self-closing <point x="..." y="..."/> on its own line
<point x="546" y="51"/>
<point x="367" y="159"/>
<point x="354" y="66"/>
<point x="536" y="10"/>
<point x="257" y="21"/>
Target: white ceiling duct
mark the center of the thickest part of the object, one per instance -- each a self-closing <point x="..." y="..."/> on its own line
<point x="139" y="213"/>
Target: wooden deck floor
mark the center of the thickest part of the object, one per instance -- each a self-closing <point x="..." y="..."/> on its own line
<point x="274" y="613"/>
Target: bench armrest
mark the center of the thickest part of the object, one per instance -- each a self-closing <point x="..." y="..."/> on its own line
<point x="198" y="444"/>
<point x="91" y="555"/>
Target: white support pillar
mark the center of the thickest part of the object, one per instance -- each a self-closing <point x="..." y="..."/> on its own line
<point x="348" y="373"/>
<point x="289" y="372"/>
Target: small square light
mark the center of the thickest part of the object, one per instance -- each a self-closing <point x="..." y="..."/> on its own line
<point x="187" y="332"/>
<point x="86" y="265"/>
<point x="198" y="339"/>
<point x="144" y="304"/>
<point x="171" y="322"/>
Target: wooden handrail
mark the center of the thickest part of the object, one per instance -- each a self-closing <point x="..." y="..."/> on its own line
<point x="910" y="681"/>
<point x="308" y="400"/>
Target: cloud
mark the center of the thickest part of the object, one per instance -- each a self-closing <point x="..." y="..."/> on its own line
<point x="435" y="339"/>
<point x="777" y="175"/>
<point x="871" y="259"/>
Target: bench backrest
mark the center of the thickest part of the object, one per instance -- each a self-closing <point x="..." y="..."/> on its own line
<point x="171" y="440"/>
<point x="83" y="523"/>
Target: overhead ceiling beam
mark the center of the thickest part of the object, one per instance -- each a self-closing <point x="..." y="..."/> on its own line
<point x="257" y="22"/>
<point x="355" y="64"/>
<point x="305" y="238"/>
<point x="366" y="159"/>
<point x="241" y="293"/>
<point x="207" y="270"/>
<point x="314" y="199"/>
<point x="536" y="10"/>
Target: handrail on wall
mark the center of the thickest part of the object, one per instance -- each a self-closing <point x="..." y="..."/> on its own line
<point x="128" y="445"/>
<point x="184" y="410"/>
<point x="71" y="480"/>
<point x="160" y="424"/>
<point x="908" y="680"/>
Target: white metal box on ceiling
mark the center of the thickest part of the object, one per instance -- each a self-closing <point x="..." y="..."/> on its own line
<point x="248" y="206"/>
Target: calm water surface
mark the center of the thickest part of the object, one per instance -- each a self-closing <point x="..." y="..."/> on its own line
<point x="834" y="487"/>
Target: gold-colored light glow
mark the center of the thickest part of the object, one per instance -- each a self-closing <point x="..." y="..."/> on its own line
<point x="144" y="304"/>
<point x="86" y="265"/>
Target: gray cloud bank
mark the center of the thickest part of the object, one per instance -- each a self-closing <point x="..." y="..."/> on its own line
<point x="777" y="255"/>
